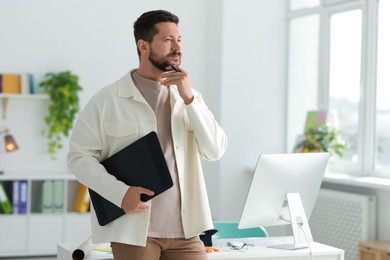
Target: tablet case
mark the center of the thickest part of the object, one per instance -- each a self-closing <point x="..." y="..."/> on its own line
<point x="143" y="164"/>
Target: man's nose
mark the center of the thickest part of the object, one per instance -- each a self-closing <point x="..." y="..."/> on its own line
<point x="176" y="46"/>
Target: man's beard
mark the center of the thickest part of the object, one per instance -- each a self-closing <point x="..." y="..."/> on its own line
<point x="161" y="63"/>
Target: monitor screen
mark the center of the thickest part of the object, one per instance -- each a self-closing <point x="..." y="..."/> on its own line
<point x="277" y="175"/>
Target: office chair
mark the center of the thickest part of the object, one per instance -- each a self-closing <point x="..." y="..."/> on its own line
<point x="231" y="230"/>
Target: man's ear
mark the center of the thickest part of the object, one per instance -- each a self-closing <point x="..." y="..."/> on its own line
<point x="143" y="46"/>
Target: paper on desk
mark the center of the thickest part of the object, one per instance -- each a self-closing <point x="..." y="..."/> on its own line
<point x="88" y="250"/>
<point x="83" y="250"/>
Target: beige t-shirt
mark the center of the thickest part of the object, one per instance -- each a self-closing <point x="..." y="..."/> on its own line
<point x="165" y="221"/>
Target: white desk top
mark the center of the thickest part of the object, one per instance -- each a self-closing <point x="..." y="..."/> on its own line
<point x="257" y="250"/>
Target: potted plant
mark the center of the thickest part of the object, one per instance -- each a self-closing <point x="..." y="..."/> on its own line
<point x="62" y="88"/>
<point x="324" y="138"/>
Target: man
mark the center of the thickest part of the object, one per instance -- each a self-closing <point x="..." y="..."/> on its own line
<point x="157" y="96"/>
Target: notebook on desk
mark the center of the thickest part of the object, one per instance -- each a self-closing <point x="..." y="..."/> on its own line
<point x="143" y="164"/>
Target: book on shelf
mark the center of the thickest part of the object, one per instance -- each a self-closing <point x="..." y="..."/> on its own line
<point x="10" y="83"/>
<point x="82" y="201"/>
<point x="28" y="85"/>
<point x="5" y="203"/>
<point x="22" y="83"/>
<point x="32" y="84"/>
<point x="25" y="83"/>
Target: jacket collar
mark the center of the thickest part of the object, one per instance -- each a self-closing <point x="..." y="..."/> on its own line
<point x="127" y="89"/>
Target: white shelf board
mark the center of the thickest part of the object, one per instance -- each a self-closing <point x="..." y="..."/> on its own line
<point x="27" y="96"/>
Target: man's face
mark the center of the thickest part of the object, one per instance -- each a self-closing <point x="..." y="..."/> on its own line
<point x="165" y="47"/>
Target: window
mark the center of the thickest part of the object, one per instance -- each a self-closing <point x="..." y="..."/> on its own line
<point x="344" y="75"/>
<point x="382" y="162"/>
<point x="339" y="60"/>
<point x="300" y="4"/>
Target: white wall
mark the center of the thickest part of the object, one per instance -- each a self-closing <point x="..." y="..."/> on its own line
<point x="253" y="93"/>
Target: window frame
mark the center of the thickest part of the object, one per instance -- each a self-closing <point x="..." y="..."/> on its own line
<point x="368" y="69"/>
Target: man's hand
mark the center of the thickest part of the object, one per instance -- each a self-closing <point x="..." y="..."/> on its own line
<point x="182" y="80"/>
<point x="132" y="203"/>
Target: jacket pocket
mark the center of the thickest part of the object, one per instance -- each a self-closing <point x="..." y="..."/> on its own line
<point x="120" y="133"/>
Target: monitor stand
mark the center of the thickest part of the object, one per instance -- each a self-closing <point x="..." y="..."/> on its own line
<point x="300" y="226"/>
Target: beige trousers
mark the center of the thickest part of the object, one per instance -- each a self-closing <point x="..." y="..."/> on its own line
<point x="161" y="249"/>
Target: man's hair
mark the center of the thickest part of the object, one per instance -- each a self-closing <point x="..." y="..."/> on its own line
<point x="144" y="26"/>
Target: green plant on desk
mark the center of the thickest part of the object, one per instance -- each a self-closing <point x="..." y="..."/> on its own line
<point x="324" y="138"/>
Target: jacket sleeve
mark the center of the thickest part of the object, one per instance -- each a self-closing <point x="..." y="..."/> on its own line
<point x="210" y="137"/>
<point x="85" y="154"/>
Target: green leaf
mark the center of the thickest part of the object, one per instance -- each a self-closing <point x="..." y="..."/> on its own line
<point x="325" y="138"/>
<point x="62" y="88"/>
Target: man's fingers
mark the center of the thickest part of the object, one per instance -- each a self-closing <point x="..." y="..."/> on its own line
<point x="145" y="191"/>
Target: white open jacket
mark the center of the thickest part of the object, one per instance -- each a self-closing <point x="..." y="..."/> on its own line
<point x="117" y="116"/>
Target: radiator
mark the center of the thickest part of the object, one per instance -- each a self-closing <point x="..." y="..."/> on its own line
<point x="342" y="219"/>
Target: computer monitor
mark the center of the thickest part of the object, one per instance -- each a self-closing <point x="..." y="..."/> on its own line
<point x="283" y="191"/>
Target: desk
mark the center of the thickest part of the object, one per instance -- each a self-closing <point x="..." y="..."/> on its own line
<point x="258" y="251"/>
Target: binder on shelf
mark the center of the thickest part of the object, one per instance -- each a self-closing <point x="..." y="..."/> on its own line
<point x="143" y="164"/>
<point x="10" y="83"/>
<point x="22" y="196"/>
<point x="58" y="196"/>
<point x="5" y="204"/>
<point x="82" y="201"/>
<point x="15" y="197"/>
<point x="47" y="196"/>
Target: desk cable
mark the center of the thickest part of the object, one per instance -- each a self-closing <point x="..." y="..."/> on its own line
<point x="299" y="224"/>
<point x="307" y="241"/>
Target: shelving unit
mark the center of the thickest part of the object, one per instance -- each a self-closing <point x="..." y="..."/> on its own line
<point x="36" y="232"/>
